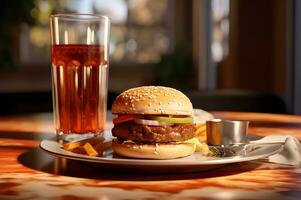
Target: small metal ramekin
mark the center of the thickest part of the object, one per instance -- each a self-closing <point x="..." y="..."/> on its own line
<point x="226" y="133"/>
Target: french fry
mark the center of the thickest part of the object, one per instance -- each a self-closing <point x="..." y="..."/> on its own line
<point x="200" y="129"/>
<point x="70" y="146"/>
<point x="201" y="132"/>
<point x="90" y="150"/>
<point x="202" y="147"/>
<point x="79" y="150"/>
<point x="92" y="146"/>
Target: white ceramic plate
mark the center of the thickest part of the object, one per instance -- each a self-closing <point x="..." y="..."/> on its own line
<point x="195" y="162"/>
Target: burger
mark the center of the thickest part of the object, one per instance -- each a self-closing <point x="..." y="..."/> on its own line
<point x="153" y="122"/>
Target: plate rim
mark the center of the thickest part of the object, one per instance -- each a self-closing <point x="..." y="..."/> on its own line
<point x="151" y="162"/>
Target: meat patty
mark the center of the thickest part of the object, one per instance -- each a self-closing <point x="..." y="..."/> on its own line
<point x="153" y="134"/>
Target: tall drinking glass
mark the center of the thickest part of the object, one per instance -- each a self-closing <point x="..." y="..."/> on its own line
<point x="79" y="57"/>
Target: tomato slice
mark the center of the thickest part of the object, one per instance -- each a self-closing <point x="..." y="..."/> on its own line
<point x="125" y="118"/>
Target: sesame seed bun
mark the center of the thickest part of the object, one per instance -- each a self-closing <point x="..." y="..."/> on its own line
<point x="153" y="100"/>
<point x="153" y="151"/>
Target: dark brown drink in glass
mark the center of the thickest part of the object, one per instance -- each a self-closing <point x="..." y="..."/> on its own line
<point x="79" y="59"/>
<point x="80" y="85"/>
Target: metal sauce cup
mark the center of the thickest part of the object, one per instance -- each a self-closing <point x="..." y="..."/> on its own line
<point x="226" y="133"/>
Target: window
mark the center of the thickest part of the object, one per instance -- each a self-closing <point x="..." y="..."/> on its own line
<point x="140" y="29"/>
<point x="220" y="29"/>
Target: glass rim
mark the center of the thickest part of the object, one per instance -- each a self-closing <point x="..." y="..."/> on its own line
<point x="80" y="16"/>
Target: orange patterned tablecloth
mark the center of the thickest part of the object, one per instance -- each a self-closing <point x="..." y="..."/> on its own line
<point x="26" y="172"/>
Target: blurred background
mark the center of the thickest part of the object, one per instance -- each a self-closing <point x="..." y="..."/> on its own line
<point x="224" y="54"/>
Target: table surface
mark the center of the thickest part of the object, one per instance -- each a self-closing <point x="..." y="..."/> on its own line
<point x="26" y="172"/>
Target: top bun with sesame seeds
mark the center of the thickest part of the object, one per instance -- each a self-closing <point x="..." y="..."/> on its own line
<point x="152" y="100"/>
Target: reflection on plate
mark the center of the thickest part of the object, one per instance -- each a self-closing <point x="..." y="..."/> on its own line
<point x="195" y="162"/>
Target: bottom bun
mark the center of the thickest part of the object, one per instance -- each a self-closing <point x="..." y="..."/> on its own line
<point x="153" y="151"/>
